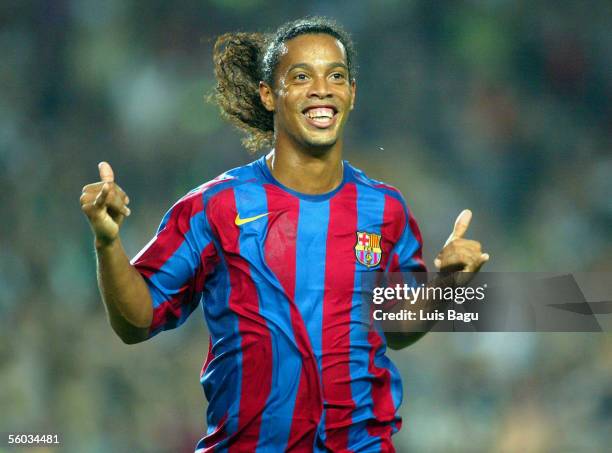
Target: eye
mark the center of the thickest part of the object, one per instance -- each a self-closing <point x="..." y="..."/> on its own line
<point x="338" y="76"/>
<point x="300" y="76"/>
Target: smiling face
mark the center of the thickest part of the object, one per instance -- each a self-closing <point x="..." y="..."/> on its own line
<point x="312" y="94"/>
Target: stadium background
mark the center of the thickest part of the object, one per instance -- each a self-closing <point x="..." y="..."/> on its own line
<point x="500" y="106"/>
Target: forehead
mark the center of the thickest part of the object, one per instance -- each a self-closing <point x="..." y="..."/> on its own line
<point x="312" y="49"/>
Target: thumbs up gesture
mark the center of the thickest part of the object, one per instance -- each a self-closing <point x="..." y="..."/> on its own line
<point x="105" y="205"/>
<point x="458" y="253"/>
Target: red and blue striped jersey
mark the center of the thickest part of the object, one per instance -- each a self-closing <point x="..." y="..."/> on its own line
<point x="290" y="366"/>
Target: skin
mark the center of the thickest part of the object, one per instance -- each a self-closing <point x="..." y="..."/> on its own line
<point x="312" y="71"/>
<point x="457" y="263"/>
<point x="123" y="289"/>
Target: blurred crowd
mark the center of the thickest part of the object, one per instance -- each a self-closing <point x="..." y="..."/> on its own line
<point x="500" y="106"/>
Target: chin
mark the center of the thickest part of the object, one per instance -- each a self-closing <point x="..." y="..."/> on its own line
<point x="319" y="145"/>
<point x="320" y="138"/>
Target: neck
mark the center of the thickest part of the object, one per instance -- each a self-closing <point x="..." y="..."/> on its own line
<point x="305" y="172"/>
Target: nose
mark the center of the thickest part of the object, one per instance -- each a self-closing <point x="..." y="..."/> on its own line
<point x="319" y="88"/>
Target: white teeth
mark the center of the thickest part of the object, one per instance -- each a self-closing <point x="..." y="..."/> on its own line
<point x="320" y="113"/>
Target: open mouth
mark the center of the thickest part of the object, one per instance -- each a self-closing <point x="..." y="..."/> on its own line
<point x="320" y="116"/>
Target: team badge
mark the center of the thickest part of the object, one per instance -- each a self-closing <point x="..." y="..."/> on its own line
<point x="367" y="249"/>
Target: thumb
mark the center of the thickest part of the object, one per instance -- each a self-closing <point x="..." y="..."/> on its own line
<point x="461" y="225"/>
<point x="106" y="172"/>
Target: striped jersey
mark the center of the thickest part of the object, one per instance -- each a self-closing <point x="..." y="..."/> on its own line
<point x="290" y="365"/>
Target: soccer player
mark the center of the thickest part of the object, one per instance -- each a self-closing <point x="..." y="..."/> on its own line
<point x="273" y="252"/>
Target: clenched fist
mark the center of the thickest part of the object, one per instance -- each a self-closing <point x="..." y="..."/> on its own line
<point x="459" y="254"/>
<point x="105" y="205"/>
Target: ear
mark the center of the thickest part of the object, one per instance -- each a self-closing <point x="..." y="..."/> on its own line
<point x="353" y="92"/>
<point x="266" y="94"/>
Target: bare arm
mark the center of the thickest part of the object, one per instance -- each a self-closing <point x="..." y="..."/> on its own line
<point x="124" y="291"/>
<point x="401" y="334"/>
<point x="125" y="294"/>
<point x="458" y="261"/>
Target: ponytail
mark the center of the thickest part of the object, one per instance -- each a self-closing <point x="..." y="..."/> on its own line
<point x="237" y="58"/>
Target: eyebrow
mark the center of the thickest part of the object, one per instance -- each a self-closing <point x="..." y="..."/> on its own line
<point x="307" y="66"/>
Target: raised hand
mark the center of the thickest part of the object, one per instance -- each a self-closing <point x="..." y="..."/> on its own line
<point x="105" y="205"/>
<point x="461" y="254"/>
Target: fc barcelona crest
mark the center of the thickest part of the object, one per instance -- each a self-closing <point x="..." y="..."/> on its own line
<point x="367" y="249"/>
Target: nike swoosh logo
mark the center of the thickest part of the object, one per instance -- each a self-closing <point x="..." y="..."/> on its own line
<point x="240" y="221"/>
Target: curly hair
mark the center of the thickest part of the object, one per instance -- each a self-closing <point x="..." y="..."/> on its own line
<point x="242" y="60"/>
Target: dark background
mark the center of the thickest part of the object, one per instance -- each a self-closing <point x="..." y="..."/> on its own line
<point x="500" y="106"/>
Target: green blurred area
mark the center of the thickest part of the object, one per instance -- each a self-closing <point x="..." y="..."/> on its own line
<point x="500" y="106"/>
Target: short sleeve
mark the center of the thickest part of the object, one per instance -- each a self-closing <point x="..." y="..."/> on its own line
<point x="176" y="261"/>
<point x="409" y="248"/>
<point x="407" y="254"/>
<point x="404" y="263"/>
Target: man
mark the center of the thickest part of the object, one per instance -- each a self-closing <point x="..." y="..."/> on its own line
<point x="274" y="251"/>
